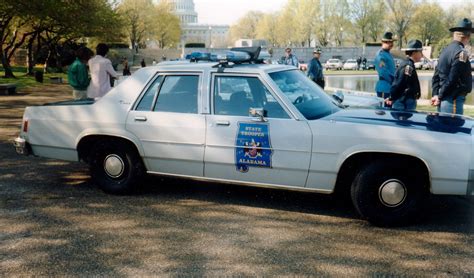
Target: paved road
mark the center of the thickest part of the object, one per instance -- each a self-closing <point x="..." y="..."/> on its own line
<point x="54" y="221"/>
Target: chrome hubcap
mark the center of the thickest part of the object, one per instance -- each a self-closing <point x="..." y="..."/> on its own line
<point x="392" y="193"/>
<point x="113" y="165"/>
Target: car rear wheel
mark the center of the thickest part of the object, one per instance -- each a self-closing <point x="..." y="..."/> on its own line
<point x="115" y="167"/>
<point x="388" y="193"/>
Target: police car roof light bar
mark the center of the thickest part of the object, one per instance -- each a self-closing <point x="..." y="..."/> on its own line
<point x="252" y="51"/>
<point x="199" y="56"/>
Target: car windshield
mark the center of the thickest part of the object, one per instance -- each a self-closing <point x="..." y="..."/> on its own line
<point x="307" y="97"/>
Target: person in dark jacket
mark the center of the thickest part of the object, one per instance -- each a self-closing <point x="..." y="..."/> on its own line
<point x="452" y="80"/>
<point x="315" y="69"/>
<point x="126" y="67"/>
<point x="405" y="88"/>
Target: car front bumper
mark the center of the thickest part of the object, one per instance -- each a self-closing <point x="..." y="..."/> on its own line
<point x="21" y="146"/>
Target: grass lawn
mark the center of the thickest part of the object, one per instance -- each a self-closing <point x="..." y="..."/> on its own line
<point x="23" y="81"/>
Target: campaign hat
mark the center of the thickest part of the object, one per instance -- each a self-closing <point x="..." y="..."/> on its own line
<point x="463" y="26"/>
<point x="413" y="45"/>
<point x="388" y="37"/>
<point x="317" y="50"/>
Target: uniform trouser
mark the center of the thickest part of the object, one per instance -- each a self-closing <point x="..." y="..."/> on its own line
<point x="453" y="105"/>
<point x="408" y="104"/>
<point x="320" y="82"/>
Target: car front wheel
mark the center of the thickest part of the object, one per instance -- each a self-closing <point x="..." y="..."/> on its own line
<point x="388" y="193"/>
<point x="115" y="167"/>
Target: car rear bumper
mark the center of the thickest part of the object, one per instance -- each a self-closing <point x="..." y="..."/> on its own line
<point x="21" y="146"/>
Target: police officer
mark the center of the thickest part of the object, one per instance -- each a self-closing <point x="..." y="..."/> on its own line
<point x="452" y="80"/>
<point x="405" y="89"/>
<point x="290" y="58"/>
<point x="385" y="66"/>
<point x="315" y="69"/>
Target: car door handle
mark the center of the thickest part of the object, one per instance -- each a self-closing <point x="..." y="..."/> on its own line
<point x="140" y="119"/>
<point x="223" y="123"/>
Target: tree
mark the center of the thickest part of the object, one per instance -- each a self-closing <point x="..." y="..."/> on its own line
<point x="165" y="25"/>
<point x="340" y="22"/>
<point x="246" y="27"/>
<point x="322" y="29"/>
<point x="428" y="26"/>
<point x="376" y="21"/>
<point x="361" y="15"/>
<point x="301" y="17"/>
<point x="267" y="29"/>
<point x="12" y="32"/>
<point x="286" y="28"/>
<point x="137" y="15"/>
<point x="401" y="14"/>
<point x="50" y="22"/>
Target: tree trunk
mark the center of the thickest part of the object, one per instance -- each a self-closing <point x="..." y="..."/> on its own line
<point x="45" y="68"/>
<point x="6" y="65"/>
<point x="29" y="56"/>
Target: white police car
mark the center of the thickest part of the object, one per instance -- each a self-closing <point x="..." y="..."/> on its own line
<point x="255" y="124"/>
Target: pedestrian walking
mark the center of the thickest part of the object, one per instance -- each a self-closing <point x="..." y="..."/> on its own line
<point x="452" y="79"/>
<point x="126" y="68"/>
<point x="142" y="63"/>
<point x="290" y="58"/>
<point x="385" y="66"/>
<point x="101" y="73"/>
<point x="405" y="89"/>
<point x="77" y="74"/>
<point x="359" y="60"/>
<point x="315" y="69"/>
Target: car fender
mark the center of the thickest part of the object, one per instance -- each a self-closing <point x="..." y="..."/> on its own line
<point x="380" y="149"/>
<point x="113" y="132"/>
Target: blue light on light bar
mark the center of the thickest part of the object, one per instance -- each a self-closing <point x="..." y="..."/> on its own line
<point x="230" y="56"/>
<point x="235" y="55"/>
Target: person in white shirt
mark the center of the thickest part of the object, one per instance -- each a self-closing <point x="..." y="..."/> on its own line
<point x="101" y="71"/>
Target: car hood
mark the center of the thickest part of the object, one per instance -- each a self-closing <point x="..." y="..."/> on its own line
<point x="437" y="122"/>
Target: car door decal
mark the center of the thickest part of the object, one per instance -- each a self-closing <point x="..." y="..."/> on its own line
<point x="253" y="147"/>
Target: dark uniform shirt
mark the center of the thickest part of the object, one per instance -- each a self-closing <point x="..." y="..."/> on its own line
<point x="315" y="70"/>
<point x="452" y="77"/>
<point x="406" y="83"/>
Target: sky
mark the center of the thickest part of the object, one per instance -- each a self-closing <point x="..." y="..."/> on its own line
<point x="229" y="11"/>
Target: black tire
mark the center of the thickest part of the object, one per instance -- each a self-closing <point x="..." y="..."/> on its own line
<point x="116" y="167"/>
<point x="373" y="199"/>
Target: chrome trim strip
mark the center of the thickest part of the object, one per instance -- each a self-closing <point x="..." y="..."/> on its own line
<point x="245" y="183"/>
<point x="173" y="143"/>
<point x="262" y="148"/>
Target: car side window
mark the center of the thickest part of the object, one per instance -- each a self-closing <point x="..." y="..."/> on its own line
<point x="234" y="96"/>
<point x="178" y="93"/>
<point x="146" y="102"/>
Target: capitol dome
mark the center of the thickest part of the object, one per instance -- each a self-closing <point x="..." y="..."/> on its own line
<point x="184" y="9"/>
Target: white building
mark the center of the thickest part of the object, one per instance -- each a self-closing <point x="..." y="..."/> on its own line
<point x="194" y="32"/>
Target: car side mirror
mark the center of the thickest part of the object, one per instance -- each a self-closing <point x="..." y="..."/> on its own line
<point x="338" y="96"/>
<point x="258" y="113"/>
